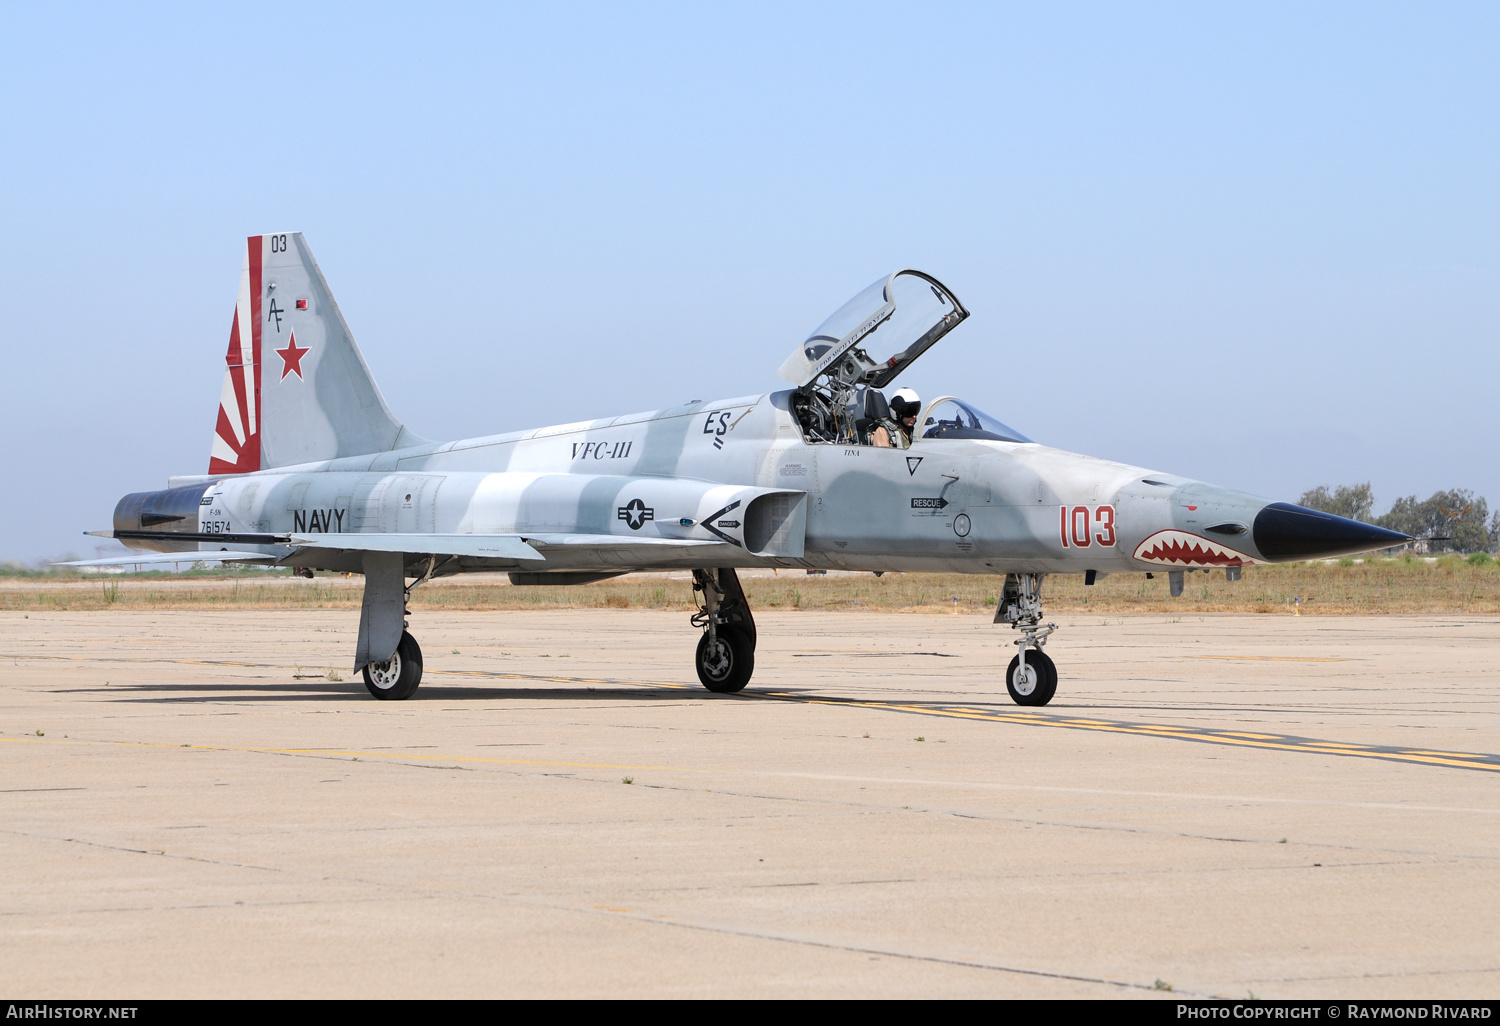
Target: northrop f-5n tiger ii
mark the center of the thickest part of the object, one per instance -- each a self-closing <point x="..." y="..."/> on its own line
<point x="311" y="470"/>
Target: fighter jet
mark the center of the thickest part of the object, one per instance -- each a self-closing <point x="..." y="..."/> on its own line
<point x="309" y="469"/>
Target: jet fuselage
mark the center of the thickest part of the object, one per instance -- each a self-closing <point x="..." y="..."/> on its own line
<point x="941" y="505"/>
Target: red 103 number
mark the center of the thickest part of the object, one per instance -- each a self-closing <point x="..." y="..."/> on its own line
<point x="1081" y="526"/>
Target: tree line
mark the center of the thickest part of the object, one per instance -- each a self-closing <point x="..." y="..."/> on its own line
<point x="1456" y="520"/>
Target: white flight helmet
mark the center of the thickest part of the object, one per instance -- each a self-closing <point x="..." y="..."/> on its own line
<point x="909" y="397"/>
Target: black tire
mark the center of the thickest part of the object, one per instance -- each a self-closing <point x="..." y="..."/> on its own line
<point x="396" y="680"/>
<point x="728" y="667"/>
<point x="1041" y="678"/>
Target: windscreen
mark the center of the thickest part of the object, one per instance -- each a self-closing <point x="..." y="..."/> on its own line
<point x="951" y="418"/>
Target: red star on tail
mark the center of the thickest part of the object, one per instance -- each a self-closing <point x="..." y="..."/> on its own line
<point x="291" y="357"/>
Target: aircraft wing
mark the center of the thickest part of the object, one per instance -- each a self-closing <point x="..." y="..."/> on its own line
<point x="615" y="541"/>
<point x="191" y="556"/>
<point x="481" y="546"/>
<point x="562" y="551"/>
<point x="485" y="546"/>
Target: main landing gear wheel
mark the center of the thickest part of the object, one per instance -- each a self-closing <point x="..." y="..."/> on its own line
<point x="1037" y="684"/>
<point x="397" y="679"/>
<point x="726" y="652"/>
<point x="726" y="662"/>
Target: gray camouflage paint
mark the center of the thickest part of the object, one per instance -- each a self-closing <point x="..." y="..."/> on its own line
<point x="339" y="463"/>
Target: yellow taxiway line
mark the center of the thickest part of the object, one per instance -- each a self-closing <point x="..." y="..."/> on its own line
<point x="1482" y="761"/>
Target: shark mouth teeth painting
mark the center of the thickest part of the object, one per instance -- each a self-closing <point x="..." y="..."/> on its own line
<point x="1179" y="548"/>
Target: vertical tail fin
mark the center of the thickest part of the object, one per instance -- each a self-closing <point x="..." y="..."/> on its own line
<point x="296" y="388"/>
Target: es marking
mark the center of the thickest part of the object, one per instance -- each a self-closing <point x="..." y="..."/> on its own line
<point x="717" y="424"/>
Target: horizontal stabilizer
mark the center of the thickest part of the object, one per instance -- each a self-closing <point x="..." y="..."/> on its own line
<point x="222" y="556"/>
<point x="484" y="546"/>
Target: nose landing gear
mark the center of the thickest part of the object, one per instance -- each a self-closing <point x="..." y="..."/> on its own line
<point x="1031" y="678"/>
<point x="1032" y="682"/>
<point x="726" y="652"/>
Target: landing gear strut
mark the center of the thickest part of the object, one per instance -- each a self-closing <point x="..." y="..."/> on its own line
<point x="1031" y="677"/>
<point x="387" y="656"/>
<point x="726" y="652"/>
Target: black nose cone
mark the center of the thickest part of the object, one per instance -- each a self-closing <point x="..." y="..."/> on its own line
<point x="1284" y="531"/>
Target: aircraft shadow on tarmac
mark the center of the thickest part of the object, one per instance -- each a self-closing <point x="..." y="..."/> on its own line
<point x="296" y="691"/>
<point x="596" y="691"/>
<point x="581" y="691"/>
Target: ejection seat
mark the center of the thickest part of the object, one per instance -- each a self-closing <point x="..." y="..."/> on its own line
<point x="871" y="412"/>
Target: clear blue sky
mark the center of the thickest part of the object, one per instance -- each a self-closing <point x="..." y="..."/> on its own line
<point x="1254" y="244"/>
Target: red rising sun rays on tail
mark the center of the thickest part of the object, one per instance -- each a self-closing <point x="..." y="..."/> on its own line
<point x="236" y="446"/>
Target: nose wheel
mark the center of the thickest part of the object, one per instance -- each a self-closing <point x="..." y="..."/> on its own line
<point x="1033" y="682"/>
<point x="1031" y="677"/>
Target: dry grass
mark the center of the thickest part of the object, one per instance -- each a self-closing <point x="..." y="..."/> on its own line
<point x="1449" y="585"/>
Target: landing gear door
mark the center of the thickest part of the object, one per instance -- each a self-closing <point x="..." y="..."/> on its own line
<point x="877" y="334"/>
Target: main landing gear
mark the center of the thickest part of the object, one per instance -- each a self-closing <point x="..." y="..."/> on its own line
<point x="1031" y="677"/>
<point x="396" y="678"/>
<point x="726" y="652"/>
<point x="387" y="656"/>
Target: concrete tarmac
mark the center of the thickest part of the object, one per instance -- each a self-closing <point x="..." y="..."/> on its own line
<point x="190" y="806"/>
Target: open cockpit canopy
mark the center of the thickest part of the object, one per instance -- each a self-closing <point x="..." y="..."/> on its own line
<point x="877" y="334"/>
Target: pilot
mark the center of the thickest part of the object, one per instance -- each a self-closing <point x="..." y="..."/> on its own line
<point x="905" y="404"/>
